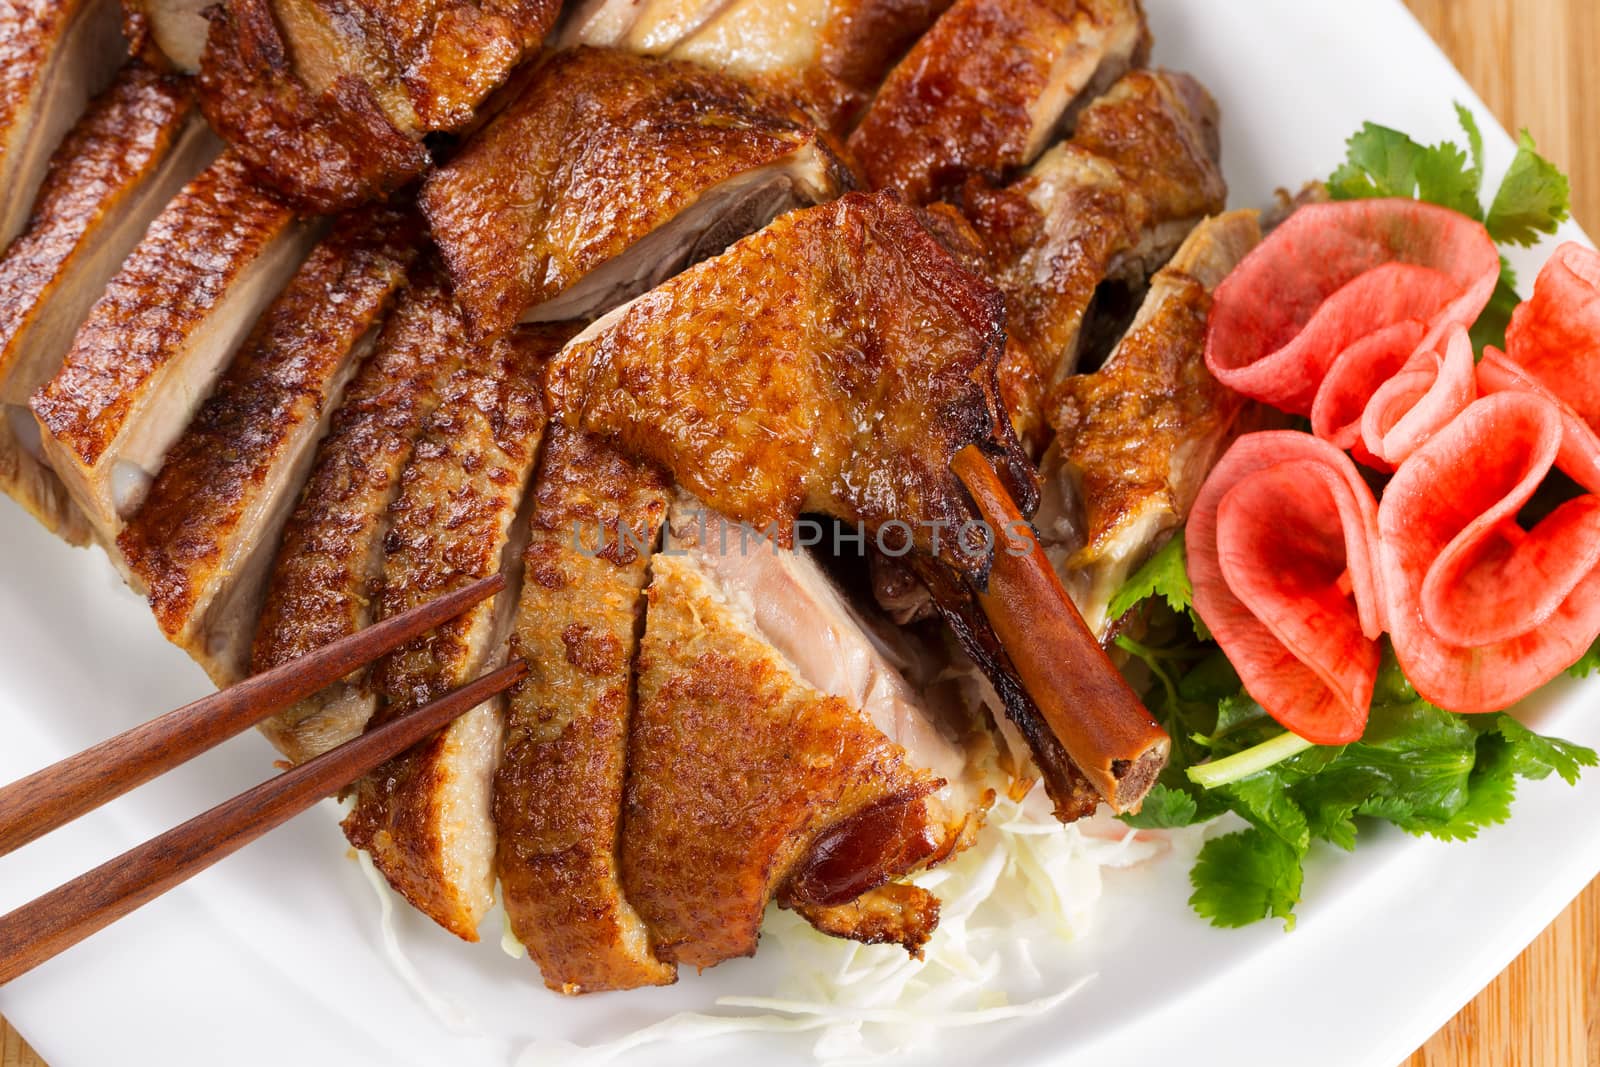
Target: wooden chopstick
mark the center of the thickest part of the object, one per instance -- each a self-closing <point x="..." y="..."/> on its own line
<point x="56" y="795"/>
<point x="66" y="915"/>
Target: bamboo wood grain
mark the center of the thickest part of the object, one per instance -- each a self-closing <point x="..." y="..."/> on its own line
<point x="1536" y="63"/>
<point x="56" y="795"/>
<point x="45" y="927"/>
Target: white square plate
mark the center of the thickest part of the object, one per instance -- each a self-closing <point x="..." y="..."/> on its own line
<point x="274" y="956"/>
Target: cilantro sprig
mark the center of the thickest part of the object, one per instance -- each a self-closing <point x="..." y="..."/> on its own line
<point x="1416" y="767"/>
<point x="1533" y="199"/>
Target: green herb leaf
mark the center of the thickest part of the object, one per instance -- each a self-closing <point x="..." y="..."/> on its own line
<point x="1165" y="575"/>
<point x="1474" y="138"/>
<point x="1588" y="664"/>
<point x="1263" y="799"/>
<point x="1534" y="198"/>
<point x="1536" y="756"/>
<point x="1245" y="876"/>
<point x="1490" y="329"/>
<point x="1165" y="808"/>
<point x="1386" y="163"/>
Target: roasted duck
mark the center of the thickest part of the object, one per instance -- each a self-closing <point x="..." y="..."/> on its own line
<point x="689" y="161"/>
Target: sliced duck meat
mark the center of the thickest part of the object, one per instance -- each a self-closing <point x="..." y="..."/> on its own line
<point x="55" y="55"/>
<point x="833" y="362"/>
<point x="739" y="769"/>
<point x="990" y="86"/>
<point x="328" y="576"/>
<point x="830" y="55"/>
<point x="158" y="338"/>
<point x="204" y="542"/>
<point x="330" y="102"/>
<point x="1137" y="438"/>
<point x="135" y="147"/>
<point x="610" y="173"/>
<point x="425" y="816"/>
<point x="558" y="792"/>
<point x="1111" y="204"/>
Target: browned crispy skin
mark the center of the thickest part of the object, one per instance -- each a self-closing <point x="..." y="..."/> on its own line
<point x="329" y="570"/>
<point x="1138" y="173"/>
<point x="1137" y="437"/>
<point x="425" y="816"/>
<point x="330" y="101"/>
<point x="735" y="766"/>
<point x="142" y="356"/>
<point x="984" y="90"/>
<point x="211" y="504"/>
<point x="601" y="149"/>
<point x="324" y="149"/>
<point x="115" y="163"/>
<point x="833" y="362"/>
<point x="893" y="914"/>
<point x="558" y="793"/>
<point x="54" y="56"/>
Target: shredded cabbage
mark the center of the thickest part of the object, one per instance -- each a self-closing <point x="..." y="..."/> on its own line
<point x="1026" y="886"/>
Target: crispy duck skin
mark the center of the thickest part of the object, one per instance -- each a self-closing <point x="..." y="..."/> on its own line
<point x="328" y="575"/>
<point x="828" y="54"/>
<point x="135" y="146"/>
<point x="558" y="792"/>
<point x="158" y="338"/>
<point x="736" y="767"/>
<point x="1113" y="202"/>
<point x="203" y="542"/>
<point x="989" y="86"/>
<point x="54" y="56"/>
<point x="610" y="173"/>
<point x="1137" y="437"/>
<point x="834" y="362"/>
<point x="330" y="102"/>
<point x="425" y="816"/>
<point x="324" y="150"/>
<point x="893" y="914"/>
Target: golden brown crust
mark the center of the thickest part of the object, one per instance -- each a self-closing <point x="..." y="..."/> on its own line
<point x="981" y="92"/>
<point x="894" y="914"/>
<point x="190" y="256"/>
<point x="600" y="149"/>
<point x="865" y="347"/>
<point x="329" y="568"/>
<point x="323" y="150"/>
<point x="280" y="381"/>
<point x="424" y="816"/>
<point x="54" y="55"/>
<point x="107" y="161"/>
<point x="734" y="768"/>
<point x="558" y="793"/>
<point x="1143" y="161"/>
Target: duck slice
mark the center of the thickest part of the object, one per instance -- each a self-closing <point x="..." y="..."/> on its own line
<point x="990" y="86"/>
<point x="1111" y="204"/>
<point x="747" y="781"/>
<point x="55" y="55"/>
<point x="158" y="338"/>
<point x="1136" y="439"/>
<point x="609" y="173"/>
<point x="329" y="102"/>
<point x="558" y="793"/>
<point x="830" y="55"/>
<point x="203" y="544"/>
<point x="167" y="34"/>
<point x="135" y="147"/>
<point x="425" y="817"/>
<point x="327" y="578"/>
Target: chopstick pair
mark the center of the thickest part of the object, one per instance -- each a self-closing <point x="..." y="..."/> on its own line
<point x="56" y="795"/>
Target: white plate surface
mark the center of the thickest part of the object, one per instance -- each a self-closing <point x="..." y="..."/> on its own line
<point x="274" y="956"/>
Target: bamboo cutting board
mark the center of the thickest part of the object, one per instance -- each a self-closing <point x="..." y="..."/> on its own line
<point x="1536" y="63"/>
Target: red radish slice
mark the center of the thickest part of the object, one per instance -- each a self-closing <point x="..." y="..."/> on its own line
<point x="1481" y="612"/>
<point x="1355" y="376"/>
<point x="1580" y="446"/>
<point x="1281" y="554"/>
<point x="1334" y="274"/>
<point x="1421" y="400"/>
<point x="1556" y="333"/>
